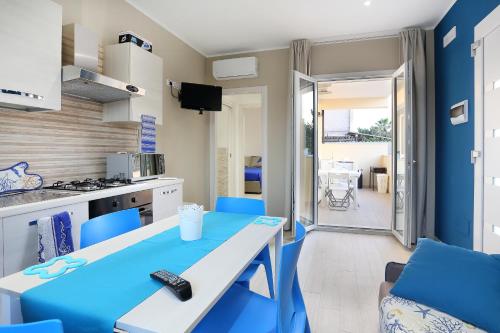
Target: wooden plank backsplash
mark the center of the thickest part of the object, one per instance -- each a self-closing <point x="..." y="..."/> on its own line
<point x="63" y="145"/>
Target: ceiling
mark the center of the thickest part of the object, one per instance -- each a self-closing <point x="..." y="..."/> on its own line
<point x="355" y="89"/>
<point x="215" y="27"/>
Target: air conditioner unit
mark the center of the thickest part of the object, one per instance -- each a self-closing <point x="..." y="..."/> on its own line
<point x="236" y="68"/>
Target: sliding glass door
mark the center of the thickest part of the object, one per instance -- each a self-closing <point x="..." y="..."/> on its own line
<point x="403" y="161"/>
<point x="305" y="117"/>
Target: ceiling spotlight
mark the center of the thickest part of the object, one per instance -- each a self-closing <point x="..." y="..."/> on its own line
<point x="367" y="3"/>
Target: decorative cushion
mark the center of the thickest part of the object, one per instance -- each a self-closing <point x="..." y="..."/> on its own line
<point x="460" y="282"/>
<point x="399" y="315"/>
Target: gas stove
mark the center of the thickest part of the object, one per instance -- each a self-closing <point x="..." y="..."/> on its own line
<point x="88" y="184"/>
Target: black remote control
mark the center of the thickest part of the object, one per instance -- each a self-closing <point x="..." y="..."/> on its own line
<point x="177" y="285"/>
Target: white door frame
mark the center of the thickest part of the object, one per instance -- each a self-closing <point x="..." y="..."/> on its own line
<point x="297" y="153"/>
<point x="262" y="90"/>
<point x="409" y="198"/>
<point x="482" y="29"/>
<point x="350" y="77"/>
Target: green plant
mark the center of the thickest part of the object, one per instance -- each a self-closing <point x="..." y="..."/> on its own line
<point x="379" y="132"/>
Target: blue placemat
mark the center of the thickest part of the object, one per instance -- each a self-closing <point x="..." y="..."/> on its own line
<point x="93" y="297"/>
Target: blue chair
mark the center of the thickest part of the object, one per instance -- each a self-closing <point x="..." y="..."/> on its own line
<point x="252" y="207"/>
<point x="108" y="226"/>
<point x="241" y="310"/>
<point x="47" y="326"/>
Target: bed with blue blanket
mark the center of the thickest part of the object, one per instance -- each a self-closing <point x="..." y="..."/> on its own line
<point x="253" y="174"/>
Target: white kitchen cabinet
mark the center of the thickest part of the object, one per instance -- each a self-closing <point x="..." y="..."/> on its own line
<point x="30" y="57"/>
<point x="166" y="200"/>
<point x="129" y="63"/>
<point x="20" y="236"/>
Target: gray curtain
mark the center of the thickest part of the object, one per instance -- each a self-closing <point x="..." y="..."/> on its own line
<point x="300" y="56"/>
<point x="413" y="47"/>
<point x="300" y="60"/>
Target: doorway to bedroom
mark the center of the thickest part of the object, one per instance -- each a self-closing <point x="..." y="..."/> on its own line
<point x="238" y="145"/>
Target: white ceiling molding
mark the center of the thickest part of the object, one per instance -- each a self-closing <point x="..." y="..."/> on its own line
<point x="232" y="27"/>
<point x="248" y="51"/>
<point x="357" y="37"/>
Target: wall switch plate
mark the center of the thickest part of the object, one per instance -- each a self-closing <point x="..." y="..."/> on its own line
<point x="450" y="36"/>
<point x="175" y="85"/>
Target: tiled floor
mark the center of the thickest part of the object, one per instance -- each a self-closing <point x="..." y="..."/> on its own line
<point x="374" y="212"/>
<point x="339" y="275"/>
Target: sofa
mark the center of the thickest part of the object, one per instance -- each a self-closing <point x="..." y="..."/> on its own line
<point x="402" y="315"/>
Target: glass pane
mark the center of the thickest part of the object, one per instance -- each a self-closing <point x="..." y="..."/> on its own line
<point x="400" y="152"/>
<point x="306" y="151"/>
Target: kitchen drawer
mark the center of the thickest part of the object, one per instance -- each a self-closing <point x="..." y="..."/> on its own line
<point x="166" y="200"/>
<point x="20" y="237"/>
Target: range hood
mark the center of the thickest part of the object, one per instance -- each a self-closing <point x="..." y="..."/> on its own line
<point x="82" y="83"/>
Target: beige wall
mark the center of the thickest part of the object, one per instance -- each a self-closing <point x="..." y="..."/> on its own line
<point x="184" y="135"/>
<point x="356" y="56"/>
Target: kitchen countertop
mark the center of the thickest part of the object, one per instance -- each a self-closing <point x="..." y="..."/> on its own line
<point x="87" y="196"/>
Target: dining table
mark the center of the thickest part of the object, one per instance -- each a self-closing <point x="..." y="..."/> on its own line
<point x="210" y="276"/>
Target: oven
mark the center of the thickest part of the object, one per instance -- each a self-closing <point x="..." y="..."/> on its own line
<point x="142" y="200"/>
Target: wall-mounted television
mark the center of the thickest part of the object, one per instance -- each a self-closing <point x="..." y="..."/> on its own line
<point x="200" y="97"/>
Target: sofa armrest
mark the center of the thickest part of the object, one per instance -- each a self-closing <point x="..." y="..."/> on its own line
<point x="392" y="271"/>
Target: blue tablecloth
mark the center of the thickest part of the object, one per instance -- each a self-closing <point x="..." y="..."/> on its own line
<point x="93" y="297"/>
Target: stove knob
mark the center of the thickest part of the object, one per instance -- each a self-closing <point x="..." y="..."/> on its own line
<point x="114" y="203"/>
<point x="133" y="199"/>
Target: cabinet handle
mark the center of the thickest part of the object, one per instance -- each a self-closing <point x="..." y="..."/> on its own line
<point x="21" y="93"/>
<point x="35" y="222"/>
<point x="169" y="191"/>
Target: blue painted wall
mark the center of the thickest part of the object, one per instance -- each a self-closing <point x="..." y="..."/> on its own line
<point x="455" y="83"/>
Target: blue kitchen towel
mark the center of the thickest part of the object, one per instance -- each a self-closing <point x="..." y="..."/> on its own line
<point x="148" y="134"/>
<point x="54" y="236"/>
<point x="93" y="297"/>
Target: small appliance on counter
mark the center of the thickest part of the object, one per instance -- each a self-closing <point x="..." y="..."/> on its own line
<point x="135" y="166"/>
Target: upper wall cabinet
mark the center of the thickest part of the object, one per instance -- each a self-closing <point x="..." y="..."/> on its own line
<point x="30" y="56"/>
<point x="129" y="63"/>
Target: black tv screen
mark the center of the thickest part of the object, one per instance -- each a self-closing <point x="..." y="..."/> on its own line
<point x="200" y="97"/>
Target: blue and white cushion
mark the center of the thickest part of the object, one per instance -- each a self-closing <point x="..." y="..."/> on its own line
<point x="400" y="315"/>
